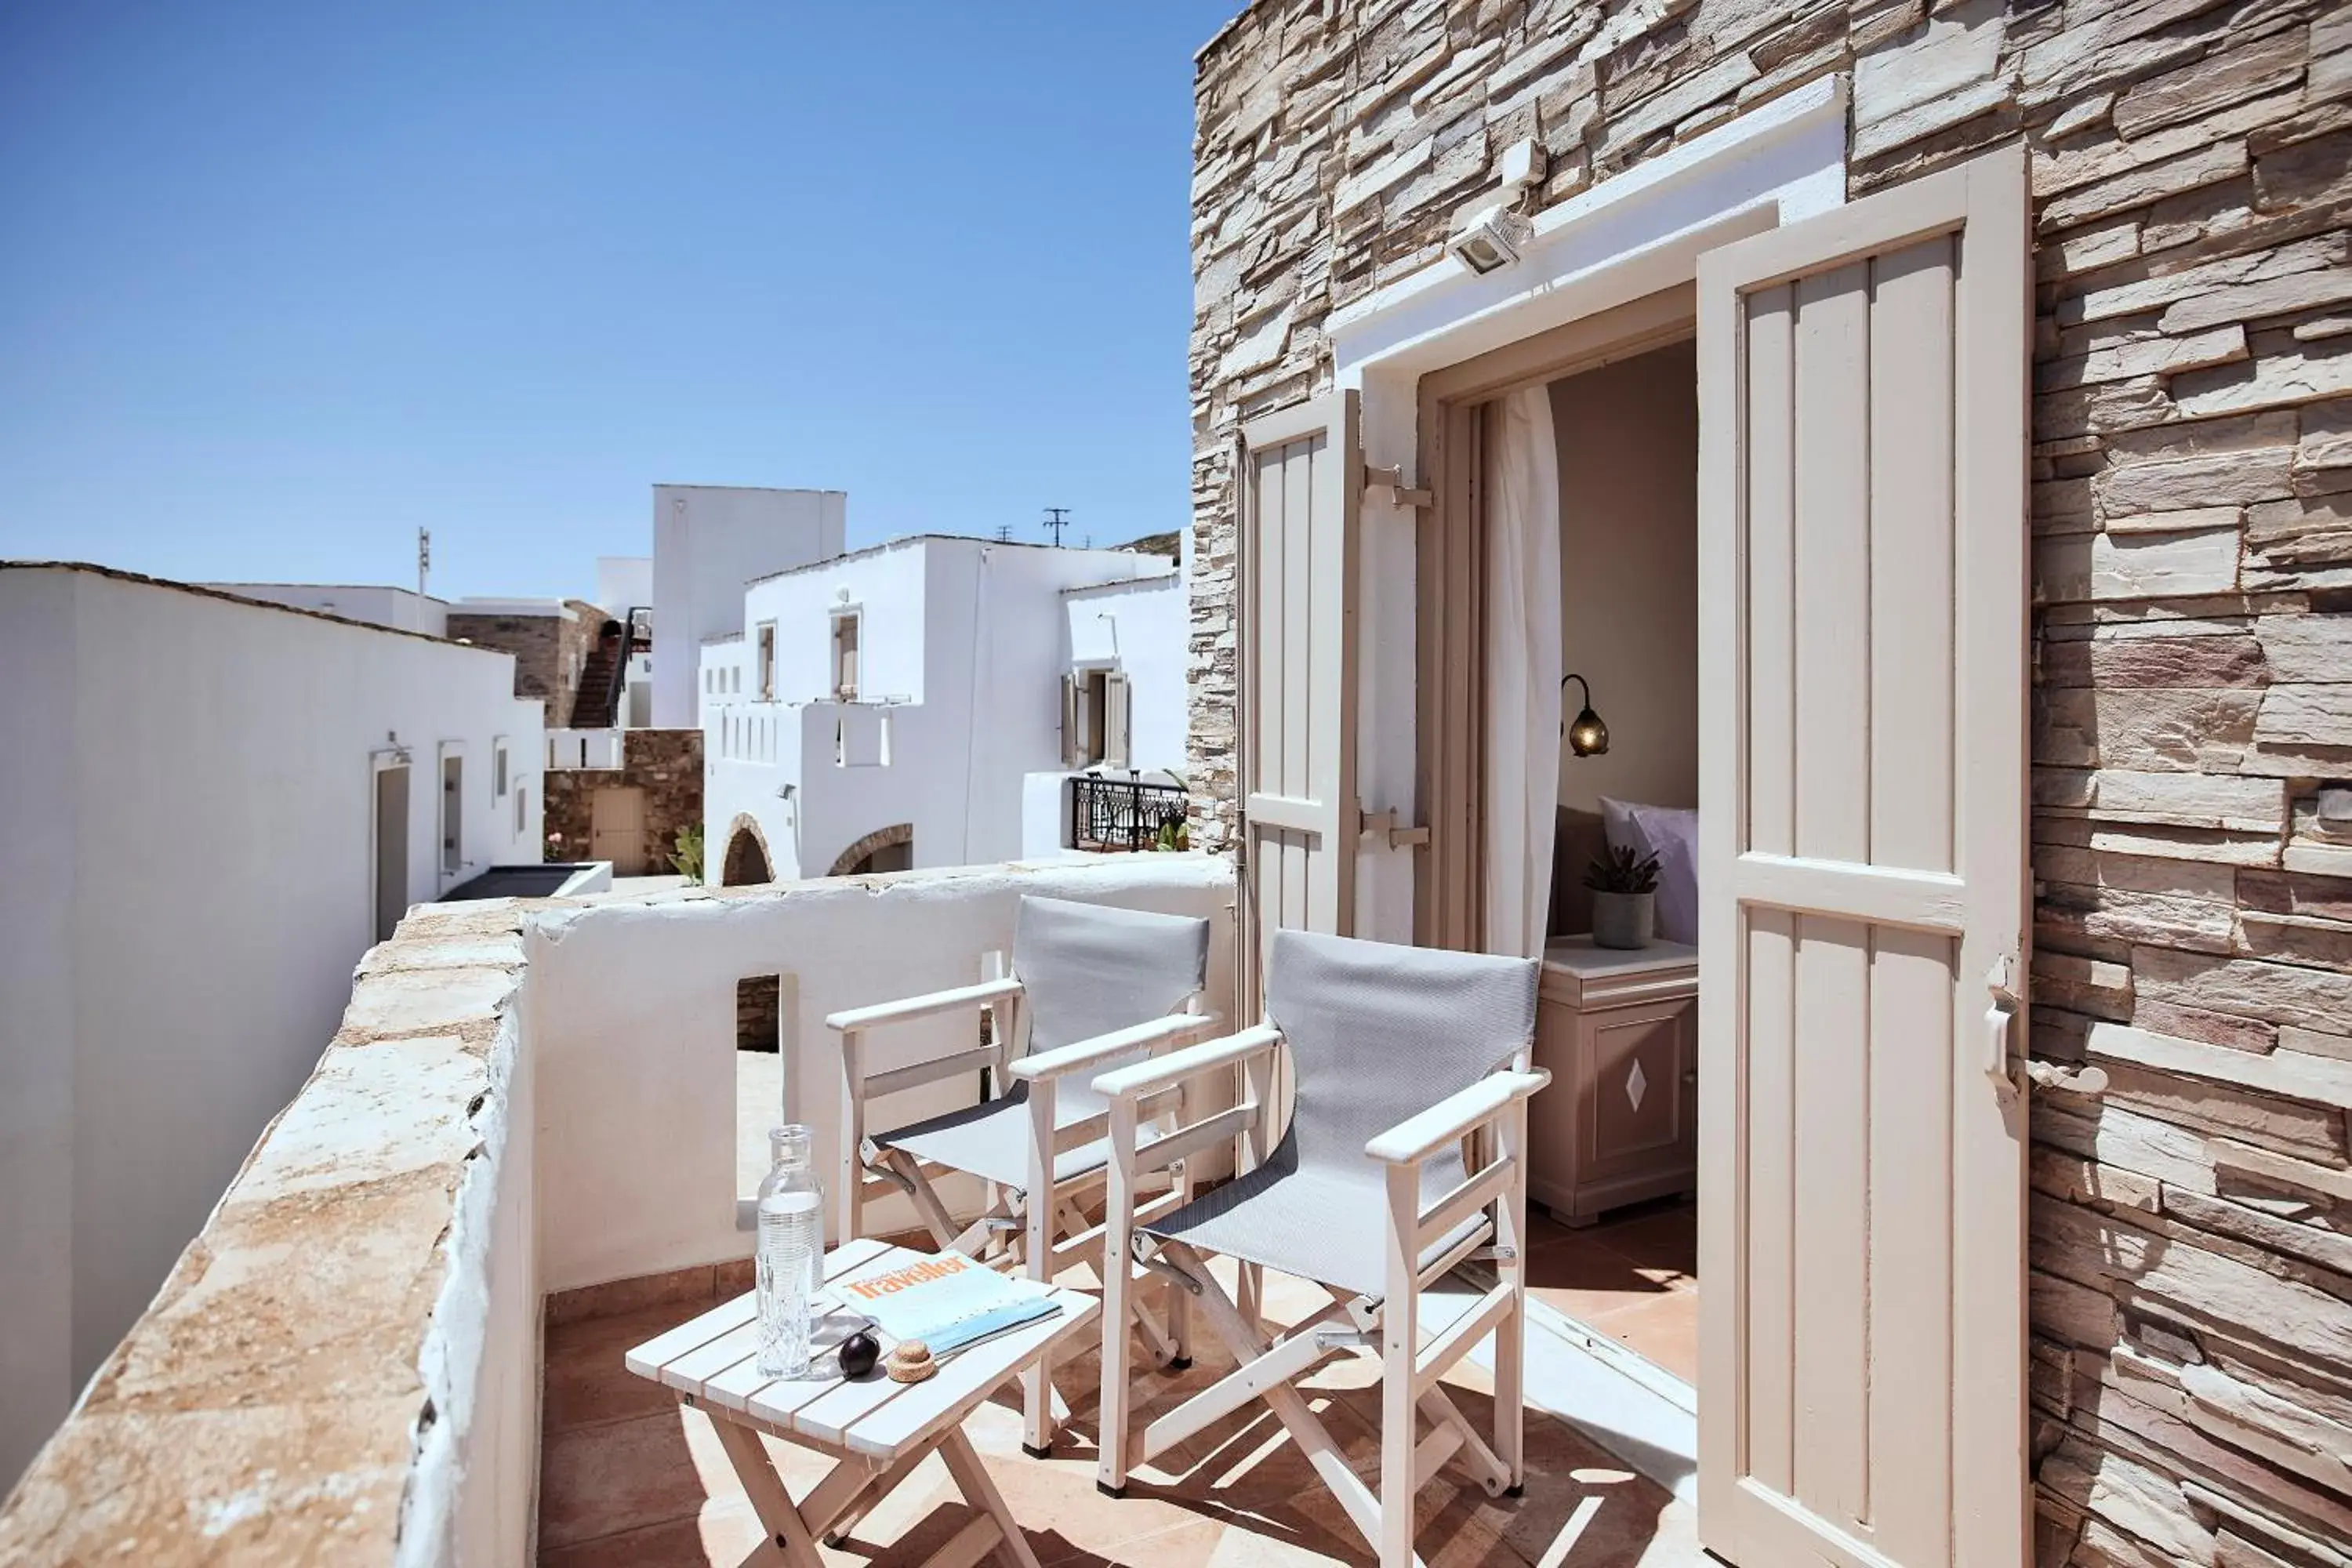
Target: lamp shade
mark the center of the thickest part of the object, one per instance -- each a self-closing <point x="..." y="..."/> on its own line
<point x="1587" y="735"/>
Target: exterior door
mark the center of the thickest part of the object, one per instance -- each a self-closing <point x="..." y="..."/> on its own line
<point x="1299" y="489"/>
<point x="1862" y="880"/>
<point x="391" y="849"/>
<point x="616" y="828"/>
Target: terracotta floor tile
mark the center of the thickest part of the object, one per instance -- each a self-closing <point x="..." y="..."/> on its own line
<point x="622" y="1483"/>
<point x="1665" y="1331"/>
<point x="1663" y="1245"/>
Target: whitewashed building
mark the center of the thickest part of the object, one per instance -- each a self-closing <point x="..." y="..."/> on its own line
<point x="709" y="542"/>
<point x="891" y="708"/>
<point x="212" y="809"/>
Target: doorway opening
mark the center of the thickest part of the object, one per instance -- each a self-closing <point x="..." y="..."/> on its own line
<point x="616" y="829"/>
<point x="1547" y="811"/>
<point x="391" y="849"/>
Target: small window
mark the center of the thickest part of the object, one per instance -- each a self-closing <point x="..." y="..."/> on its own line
<point x="522" y="811"/>
<point x="499" y="769"/>
<point x="453" y="814"/>
<point x="768" y="662"/>
<point x="845" y="657"/>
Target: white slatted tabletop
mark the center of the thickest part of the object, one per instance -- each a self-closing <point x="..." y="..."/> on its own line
<point x="878" y="1429"/>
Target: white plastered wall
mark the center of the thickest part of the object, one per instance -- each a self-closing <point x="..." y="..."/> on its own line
<point x="191" y="898"/>
<point x="631" y="1028"/>
<point x="1616" y="242"/>
<point x="709" y="542"/>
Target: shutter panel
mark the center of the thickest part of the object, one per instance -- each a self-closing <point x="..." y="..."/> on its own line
<point x="1300" y="491"/>
<point x="1072" y="732"/>
<point x="1862" y="880"/>
<point x="1116" y="750"/>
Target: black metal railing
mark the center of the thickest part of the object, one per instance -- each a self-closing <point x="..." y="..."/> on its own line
<point x="1118" y="815"/>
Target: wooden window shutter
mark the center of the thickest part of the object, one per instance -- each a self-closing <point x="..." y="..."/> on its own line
<point x="1299" y="491"/>
<point x="1074" y="736"/>
<point x="1863" y="535"/>
<point x="1115" y="737"/>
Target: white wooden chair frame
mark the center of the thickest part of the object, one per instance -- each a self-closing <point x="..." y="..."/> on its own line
<point x="1012" y="1230"/>
<point x="1422" y="1325"/>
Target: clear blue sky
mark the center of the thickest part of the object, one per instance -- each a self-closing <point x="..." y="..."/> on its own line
<point x="282" y="282"/>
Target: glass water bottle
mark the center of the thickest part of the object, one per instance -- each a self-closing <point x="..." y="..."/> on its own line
<point x="791" y="1249"/>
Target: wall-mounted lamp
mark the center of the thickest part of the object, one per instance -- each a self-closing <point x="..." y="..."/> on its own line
<point x="1587" y="735"/>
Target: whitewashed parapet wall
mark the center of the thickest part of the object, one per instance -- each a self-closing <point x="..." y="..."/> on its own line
<point x="2192" y="459"/>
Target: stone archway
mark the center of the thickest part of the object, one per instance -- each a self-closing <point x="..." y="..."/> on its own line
<point x="874" y="852"/>
<point x="747" y="860"/>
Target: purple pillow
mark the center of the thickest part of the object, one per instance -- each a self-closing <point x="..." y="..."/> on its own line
<point x="1671" y="833"/>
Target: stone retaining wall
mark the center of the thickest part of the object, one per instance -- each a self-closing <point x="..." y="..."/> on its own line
<point x="2192" y="508"/>
<point x="666" y="763"/>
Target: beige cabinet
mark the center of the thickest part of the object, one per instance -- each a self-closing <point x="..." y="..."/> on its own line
<point x="1619" y="1033"/>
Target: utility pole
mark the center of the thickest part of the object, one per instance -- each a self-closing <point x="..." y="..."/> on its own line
<point x="1057" y="517"/>
<point x="1003" y="533"/>
<point x="424" y="558"/>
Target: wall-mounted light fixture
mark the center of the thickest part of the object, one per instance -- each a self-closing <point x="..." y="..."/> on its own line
<point x="1587" y="735"/>
<point x="1490" y="233"/>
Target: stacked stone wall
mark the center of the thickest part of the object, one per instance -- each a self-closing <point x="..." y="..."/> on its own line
<point x="549" y="650"/>
<point x="2191" y="1247"/>
<point x="666" y="763"/>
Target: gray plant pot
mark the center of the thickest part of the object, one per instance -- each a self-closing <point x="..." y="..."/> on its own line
<point x="1623" y="920"/>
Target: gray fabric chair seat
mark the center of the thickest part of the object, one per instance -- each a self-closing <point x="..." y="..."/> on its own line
<point x="1318" y="1224"/>
<point x="991" y="1140"/>
<point x="1087" y="970"/>
<point x="1376" y="1034"/>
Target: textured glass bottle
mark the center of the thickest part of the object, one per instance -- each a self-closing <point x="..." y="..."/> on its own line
<point x="791" y="1248"/>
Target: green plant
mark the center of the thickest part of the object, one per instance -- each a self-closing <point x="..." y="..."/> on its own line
<point x="1174" y="833"/>
<point x="1622" y="870"/>
<point x="688" y="858"/>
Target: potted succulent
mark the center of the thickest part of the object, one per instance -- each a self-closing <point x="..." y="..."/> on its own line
<point x="1624" y="897"/>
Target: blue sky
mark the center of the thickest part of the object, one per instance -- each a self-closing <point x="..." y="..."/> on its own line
<point x="281" y="283"/>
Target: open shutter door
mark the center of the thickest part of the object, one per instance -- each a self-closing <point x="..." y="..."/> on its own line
<point x="1300" y="487"/>
<point x="1074" y="743"/>
<point x="1116" y="750"/>
<point x="1862" y="880"/>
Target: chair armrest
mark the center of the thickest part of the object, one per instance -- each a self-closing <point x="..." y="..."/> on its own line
<point x="1069" y="1058"/>
<point x="1416" y="1138"/>
<point x="913" y="1007"/>
<point x="1133" y="1082"/>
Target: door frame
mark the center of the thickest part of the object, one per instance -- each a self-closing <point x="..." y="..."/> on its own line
<point x="1450" y="728"/>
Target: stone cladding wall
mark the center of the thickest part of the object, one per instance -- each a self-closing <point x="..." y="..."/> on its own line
<point x="2191" y="1245"/>
<point x="549" y="650"/>
<point x="666" y="763"/>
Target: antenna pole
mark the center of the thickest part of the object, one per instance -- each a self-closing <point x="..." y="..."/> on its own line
<point x="424" y="558"/>
<point x="1057" y="517"/>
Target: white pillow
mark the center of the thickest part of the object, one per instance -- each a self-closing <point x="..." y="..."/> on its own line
<point x="1670" y="833"/>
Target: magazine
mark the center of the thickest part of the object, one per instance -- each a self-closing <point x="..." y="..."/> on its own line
<point x="947" y="1302"/>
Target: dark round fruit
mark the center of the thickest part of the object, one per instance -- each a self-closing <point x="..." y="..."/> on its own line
<point x="858" y="1354"/>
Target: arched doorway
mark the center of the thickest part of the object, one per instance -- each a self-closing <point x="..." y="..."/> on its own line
<point x="886" y="849"/>
<point x="747" y="861"/>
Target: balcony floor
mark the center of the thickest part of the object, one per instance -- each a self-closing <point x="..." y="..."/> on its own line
<point x="627" y="1476"/>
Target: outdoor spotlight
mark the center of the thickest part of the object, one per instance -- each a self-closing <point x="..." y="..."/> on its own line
<point x="1587" y="736"/>
<point x="1490" y="238"/>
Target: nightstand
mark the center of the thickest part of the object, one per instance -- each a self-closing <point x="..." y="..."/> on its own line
<point x="1619" y="1032"/>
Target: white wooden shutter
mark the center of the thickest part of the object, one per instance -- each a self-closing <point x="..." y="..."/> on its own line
<point x="1862" y="880"/>
<point x="1074" y="740"/>
<point x="1116" y="749"/>
<point x="1300" y="487"/>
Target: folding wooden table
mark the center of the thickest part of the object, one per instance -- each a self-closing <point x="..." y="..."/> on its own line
<point x="876" y="1430"/>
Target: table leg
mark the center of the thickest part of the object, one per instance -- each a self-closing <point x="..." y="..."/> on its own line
<point x="971" y="1478"/>
<point x="788" y="1534"/>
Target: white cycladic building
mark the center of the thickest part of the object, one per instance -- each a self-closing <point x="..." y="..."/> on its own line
<point x="887" y="710"/>
<point x="209" y="809"/>
<point x="624" y="581"/>
<point x="709" y="542"/>
<point x="398" y="610"/>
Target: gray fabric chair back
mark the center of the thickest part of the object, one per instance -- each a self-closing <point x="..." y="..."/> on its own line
<point x="1091" y="968"/>
<point x="1378" y="1033"/>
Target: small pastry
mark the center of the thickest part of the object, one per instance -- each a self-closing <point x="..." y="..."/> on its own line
<point x="911" y="1362"/>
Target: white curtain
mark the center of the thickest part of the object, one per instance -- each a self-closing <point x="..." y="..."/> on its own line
<point x="1523" y="674"/>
